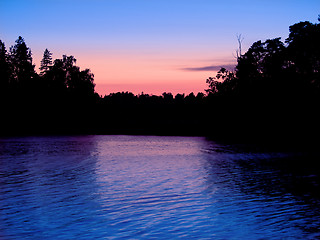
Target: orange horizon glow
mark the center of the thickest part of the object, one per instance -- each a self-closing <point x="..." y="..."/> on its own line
<point x="151" y="89"/>
<point x="150" y="74"/>
<point x="148" y="46"/>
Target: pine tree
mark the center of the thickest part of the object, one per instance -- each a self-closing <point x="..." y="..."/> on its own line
<point x="4" y="68"/>
<point x="21" y="61"/>
<point x="46" y="62"/>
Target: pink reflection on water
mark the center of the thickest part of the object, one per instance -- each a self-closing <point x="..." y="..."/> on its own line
<point x="141" y="167"/>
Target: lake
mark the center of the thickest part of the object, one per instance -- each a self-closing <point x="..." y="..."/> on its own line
<point x="150" y="187"/>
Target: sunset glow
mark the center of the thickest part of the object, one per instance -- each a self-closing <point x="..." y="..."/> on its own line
<point x="148" y="46"/>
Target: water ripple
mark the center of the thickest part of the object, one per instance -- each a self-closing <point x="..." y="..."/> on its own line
<point x="129" y="187"/>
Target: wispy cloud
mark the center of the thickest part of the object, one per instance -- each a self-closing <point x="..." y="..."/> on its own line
<point x="209" y="68"/>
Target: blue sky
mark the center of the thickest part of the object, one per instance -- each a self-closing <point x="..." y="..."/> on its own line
<point x="154" y="42"/>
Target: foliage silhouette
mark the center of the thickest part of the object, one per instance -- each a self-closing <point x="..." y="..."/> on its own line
<point x="274" y="89"/>
<point x="272" y="94"/>
<point x="46" y="62"/>
<point x="4" y="69"/>
<point x="275" y="68"/>
<point x="21" y="63"/>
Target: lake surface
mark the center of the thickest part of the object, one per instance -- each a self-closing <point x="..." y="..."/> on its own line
<point x="148" y="187"/>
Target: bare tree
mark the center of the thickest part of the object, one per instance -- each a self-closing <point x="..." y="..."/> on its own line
<point x="239" y="50"/>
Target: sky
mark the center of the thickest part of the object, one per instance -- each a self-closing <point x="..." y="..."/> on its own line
<point x="149" y="46"/>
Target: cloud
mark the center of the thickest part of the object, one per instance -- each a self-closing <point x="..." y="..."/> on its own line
<point x="209" y="68"/>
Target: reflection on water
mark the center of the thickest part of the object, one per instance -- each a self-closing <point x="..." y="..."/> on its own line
<point x="144" y="187"/>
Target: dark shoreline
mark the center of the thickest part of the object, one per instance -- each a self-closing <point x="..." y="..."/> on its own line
<point x="255" y="141"/>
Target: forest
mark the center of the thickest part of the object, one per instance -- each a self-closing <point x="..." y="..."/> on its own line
<point x="271" y="95"/>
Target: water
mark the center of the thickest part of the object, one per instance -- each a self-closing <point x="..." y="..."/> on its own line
<point x="146" y="187"/>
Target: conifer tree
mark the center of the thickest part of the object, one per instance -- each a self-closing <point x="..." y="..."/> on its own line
<point x="21" y="61"/>
<point x="46" y="62"/>
<point x="4" y="67"/>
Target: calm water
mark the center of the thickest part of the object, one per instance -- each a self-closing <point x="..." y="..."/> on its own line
<point x="145" y="187"/>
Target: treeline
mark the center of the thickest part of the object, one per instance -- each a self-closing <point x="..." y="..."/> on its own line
<point x="274" y="68"/>
<point x="46" y="103"/>
<point x="61" y="100"/>
<point x="273" y="93"/>
<point x="58" y="79"/>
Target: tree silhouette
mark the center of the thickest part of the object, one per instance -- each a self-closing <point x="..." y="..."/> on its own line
<point x="222" y="84"/>
<point x="273" y="91"/>
<point x="259" y="70"/>
<point x="304" y="54"/>
<point x="167" y="97"/>
<point x="81" y="83"/>
<point x="21" y="62"/>
<point x="46" y="62"/>
<point x="239" y="50"/>
<point x="272" y="68"/>
<point x="4" y="68"/>
<point x="65" y="77"/>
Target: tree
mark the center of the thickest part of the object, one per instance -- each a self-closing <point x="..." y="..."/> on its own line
<point x="239" y="50"/>
<point x="4" y="68"/>
<point x="59" y="74"/>
<point x="304" y="53"/>
<point x="260" y="69"/>
<point x="81" y="83"/>
<point x="65" y="76"/>
<point x="21" y="62"/>
<point x="223" y="83"/>
<point x="167" y="97"/>
<point x="272" y="69"/>
<point x="46" y="62"/>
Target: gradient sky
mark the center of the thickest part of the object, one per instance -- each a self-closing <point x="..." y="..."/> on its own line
<point x="150" y="46"/>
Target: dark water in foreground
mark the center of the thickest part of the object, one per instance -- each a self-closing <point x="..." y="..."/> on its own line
<point x="144" y="187"/>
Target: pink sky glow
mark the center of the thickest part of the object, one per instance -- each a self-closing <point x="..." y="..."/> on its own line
<point x="151" y="74"/>
<point x="149" y="46"/>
